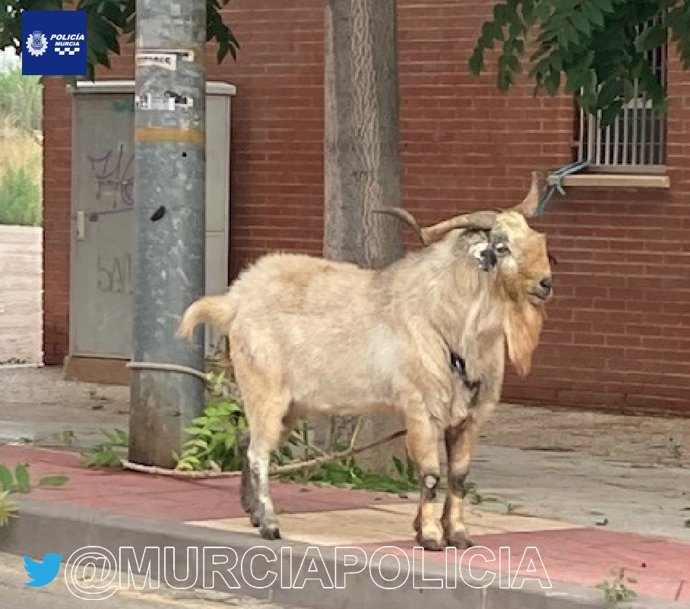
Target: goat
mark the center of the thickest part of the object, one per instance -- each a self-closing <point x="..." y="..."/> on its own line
<point x="424" y="336"/>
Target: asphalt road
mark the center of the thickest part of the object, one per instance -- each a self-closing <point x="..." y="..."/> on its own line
<point x="15" y="595"/>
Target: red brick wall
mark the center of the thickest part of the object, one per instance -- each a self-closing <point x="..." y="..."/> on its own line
<point x="618" y="334"/>
<point x="56" y="222"/>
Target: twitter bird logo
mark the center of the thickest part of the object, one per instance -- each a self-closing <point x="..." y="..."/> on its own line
<point x="42" y="573"/>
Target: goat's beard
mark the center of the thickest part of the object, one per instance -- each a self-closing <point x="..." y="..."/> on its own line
<point x="522" y="326"/>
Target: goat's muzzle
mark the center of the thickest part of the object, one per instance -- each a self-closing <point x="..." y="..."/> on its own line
<point x="488" y="258"/>
<point x="543" y="291"/>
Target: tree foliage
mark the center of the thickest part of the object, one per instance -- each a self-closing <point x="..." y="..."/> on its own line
<point x="107" y="22"/>
<point x="595" y="49"/>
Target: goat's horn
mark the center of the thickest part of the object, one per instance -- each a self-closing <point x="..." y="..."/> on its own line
<point x="529" y="205"/>
<point x="404" y="216"/>
<point x="479" y="220"/>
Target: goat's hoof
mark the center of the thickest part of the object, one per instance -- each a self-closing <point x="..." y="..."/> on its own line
<point x="270" y="532"/>
<point x="459" y="540"/>
<point x="431" y="544"/>
<point x="254" y="520"/>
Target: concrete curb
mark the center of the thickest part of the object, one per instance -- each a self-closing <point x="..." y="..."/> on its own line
<point x="61" y="528"/>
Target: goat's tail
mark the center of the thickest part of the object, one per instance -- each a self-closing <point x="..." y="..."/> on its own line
<point x="215" y="310"/>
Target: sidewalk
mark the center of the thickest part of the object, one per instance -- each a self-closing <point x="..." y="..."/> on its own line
<point x="572" y="554"/>
<point x="591" y="491"/>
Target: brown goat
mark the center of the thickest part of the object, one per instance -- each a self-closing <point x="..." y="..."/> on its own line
<point x="424" y="336"/>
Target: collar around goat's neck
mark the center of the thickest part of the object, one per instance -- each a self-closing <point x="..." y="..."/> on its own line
<point x="460" y="366"/>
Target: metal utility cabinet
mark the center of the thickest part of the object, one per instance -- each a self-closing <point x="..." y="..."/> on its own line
<point x="103" y="222"/>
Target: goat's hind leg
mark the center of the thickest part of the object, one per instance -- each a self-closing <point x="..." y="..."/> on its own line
<point x="248" y="495"/>
<point x="247" y="492"/>
<point x="422" y="445"/>
<point x="267" y="427"/>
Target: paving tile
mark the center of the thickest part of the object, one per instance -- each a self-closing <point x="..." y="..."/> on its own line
<point x="354" y="526"/>
<point x="376" y="524"/>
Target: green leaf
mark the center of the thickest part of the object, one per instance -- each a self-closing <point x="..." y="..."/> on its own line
<point x="593" y="14"/>
<point x="575" y="81"/>
<point x="609" y="114"/>
<point x="476" y="61"/>
<point x="552" y="82"/>
<point x="21" y="474"/>
<point x="6" y="479"/>
<point x="492" y="31"/>
<point x="53" y="481"/>
<point x="202" y="444"/>
<point x="122" y="437"/>
<point x="581" y="23"/>
<point x="399" y="467"/>
<point x="651" y="38"/>
<point x="46" y="5"/>
<point x="606" y="6"/>
<point x="230" y="440"/>
<point x="610" y="91"/>
<point x="542" y="11"/>
<point x="8" y="508"/>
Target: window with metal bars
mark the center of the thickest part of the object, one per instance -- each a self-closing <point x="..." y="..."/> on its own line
<point x="636" y="140"/>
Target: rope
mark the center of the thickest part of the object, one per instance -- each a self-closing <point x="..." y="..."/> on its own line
<point x="274" y="470"/>
<point x="555" y="183"/>
<point x="323" y="457"/>
<point x="167" y="368"/>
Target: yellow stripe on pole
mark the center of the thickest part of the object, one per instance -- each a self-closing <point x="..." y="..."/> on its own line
<point x="167" y="134"/>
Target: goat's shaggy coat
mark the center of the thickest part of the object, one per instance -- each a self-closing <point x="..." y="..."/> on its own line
<point x="309" y="335"/>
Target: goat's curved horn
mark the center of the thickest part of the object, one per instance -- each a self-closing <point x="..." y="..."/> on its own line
<point x="529" y="205"/>
<point x="404" y="216"/>
<point x="482" y="220"/>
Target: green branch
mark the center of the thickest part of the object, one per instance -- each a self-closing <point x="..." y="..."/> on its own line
<point x="594" y="49"/>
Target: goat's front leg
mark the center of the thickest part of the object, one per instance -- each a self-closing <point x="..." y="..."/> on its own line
<point x="460" y="442"/>
<point x="422" y="444"/>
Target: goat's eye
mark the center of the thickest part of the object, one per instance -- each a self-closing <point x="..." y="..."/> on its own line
<point x="502" y="248"/>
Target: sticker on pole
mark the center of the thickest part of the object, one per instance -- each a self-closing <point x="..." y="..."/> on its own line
<point x="167" y="61"/>
<point x="54" y="43"/>
<point x="169" y="100"/>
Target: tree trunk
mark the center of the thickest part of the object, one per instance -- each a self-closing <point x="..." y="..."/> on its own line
<point x="362" y="156"/>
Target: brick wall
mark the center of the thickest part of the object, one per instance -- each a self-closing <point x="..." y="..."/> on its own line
<point x="56" y="221"/>
<point x="618" y="334"/>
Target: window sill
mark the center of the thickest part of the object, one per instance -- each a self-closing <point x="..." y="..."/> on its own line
<point x="615" y="180"/>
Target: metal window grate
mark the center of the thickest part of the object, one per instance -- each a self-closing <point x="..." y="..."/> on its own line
<point x="636" y="140"/>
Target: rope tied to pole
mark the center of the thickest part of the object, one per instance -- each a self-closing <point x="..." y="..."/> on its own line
<point x="323" y="457"/>
<point x="168" y="368"/>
